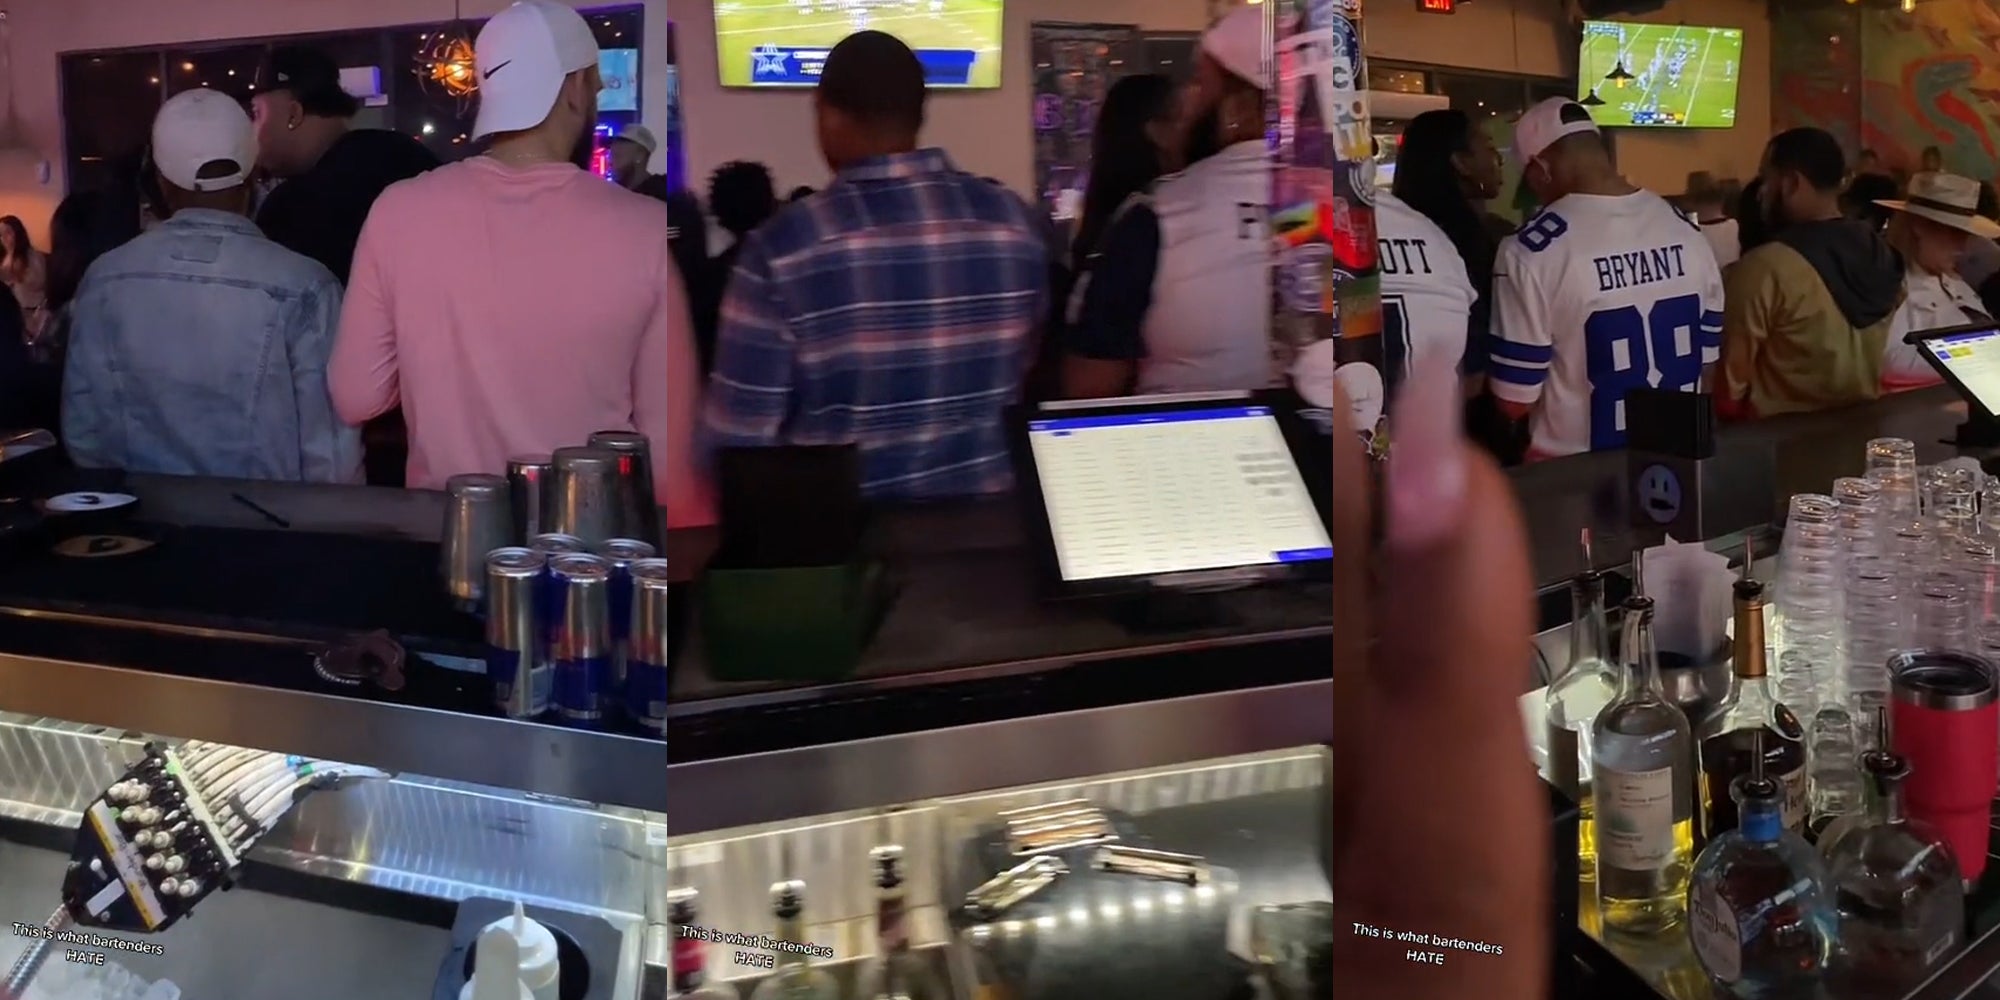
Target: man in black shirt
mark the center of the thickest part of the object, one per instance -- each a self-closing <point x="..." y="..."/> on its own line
<point x="687" y="228"/>
<point x="331" y="173"/>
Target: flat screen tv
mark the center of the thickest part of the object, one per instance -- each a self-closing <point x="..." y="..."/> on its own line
<point x="1659" y="75"/>
<point x="783" y="43"/>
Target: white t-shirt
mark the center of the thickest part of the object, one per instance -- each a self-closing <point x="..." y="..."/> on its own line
<point x="1930" y="302"/>
<point x="1426" y="296"/>
<point x="1594" y="297"/>
<point x="1725" y="239"/>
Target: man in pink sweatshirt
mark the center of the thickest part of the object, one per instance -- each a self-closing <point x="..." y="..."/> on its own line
<point x="513" y="303"/>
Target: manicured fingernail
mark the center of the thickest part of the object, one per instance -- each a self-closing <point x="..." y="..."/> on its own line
<point x="1426" y="483"/>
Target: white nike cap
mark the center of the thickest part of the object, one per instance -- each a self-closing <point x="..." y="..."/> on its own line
<point x="1541" y="125"/>
<point x="199" y="127"/>
<point x="640" y="136"/>
<point x="1236" y="43"/>
<point x="522" y="57"/>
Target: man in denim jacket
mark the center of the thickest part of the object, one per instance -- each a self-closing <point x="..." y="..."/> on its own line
<point x="200" y="347"/>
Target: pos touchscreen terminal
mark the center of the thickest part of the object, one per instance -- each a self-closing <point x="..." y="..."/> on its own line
<point x="1178" y="493"/>
<point x="1969" y="359"/>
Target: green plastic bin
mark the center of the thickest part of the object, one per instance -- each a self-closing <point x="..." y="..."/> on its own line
<point x="807" y="623"/>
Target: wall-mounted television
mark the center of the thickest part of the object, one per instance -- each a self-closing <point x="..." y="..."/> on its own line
<point x="1659" y="75"/>
<point x="784" y="43"/>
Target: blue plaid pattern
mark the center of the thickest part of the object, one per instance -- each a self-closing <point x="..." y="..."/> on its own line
<point x="895" y="310"/>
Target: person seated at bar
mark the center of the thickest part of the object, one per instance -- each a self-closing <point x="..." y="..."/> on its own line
<point x="895" y="310"/>
<point x="1808" y="313"/>
<point x="1930" y="229"/>
<point x="1704" y="201"/>
<point x="513" y="303"/>
<point x="1607" y="290"/>
<point x="1178" y="298"/>
<point x="200" y="348"/>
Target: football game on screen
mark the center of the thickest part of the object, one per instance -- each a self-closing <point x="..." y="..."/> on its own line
<point x="1659" y="75"/>
<point x="783" y="43"/>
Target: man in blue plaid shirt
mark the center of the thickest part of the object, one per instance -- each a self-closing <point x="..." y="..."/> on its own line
<point x="896" y="310"/>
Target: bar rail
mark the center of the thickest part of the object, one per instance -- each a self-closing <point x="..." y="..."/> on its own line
<point x="486" y="750"/>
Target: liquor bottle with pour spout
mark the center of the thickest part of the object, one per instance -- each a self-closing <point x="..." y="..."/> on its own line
<point x="1749" y="709"/>
<point x="896" y="972"/>
<point x="690" y="958"/>
<point x="1897" y="887"/>
<point x="1760" y="914"/>
<point x="795" y="978"/>
<point x="1643" y="789"/>
<point x="1575" y="697"/>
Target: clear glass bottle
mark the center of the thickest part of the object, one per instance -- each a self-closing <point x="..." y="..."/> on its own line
<point x="1643" y="786"/>
<point x="1574" y="698"/>
<point x="1760" y="914"/>
<point x="691" y="952"/>
<point x="795" y="978"/>
<point x="1749" y="709"/>
<point x="896" y="972"/>
<point x="1898" y="890"/>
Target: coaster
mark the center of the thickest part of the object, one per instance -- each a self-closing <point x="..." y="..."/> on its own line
<point x="76" y="503"/>
<point x="101" y="546"/>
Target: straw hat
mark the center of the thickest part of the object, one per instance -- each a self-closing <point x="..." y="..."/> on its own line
<point x="1948" y="200"/>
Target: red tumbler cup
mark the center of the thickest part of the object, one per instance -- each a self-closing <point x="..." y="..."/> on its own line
<point x="1945" y="720"/>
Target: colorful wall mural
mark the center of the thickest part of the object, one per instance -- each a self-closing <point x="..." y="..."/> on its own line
<point x="1895" y="82"/>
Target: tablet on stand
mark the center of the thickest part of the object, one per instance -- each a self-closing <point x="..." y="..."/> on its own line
<point x="1154" y="499"/>
<point x="1968" y="357"/>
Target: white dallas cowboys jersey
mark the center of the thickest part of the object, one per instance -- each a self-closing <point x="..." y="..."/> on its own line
<point x="1211" y="308"/>
<point x="1594" y="297"/>
<point x="1426" y="296"/>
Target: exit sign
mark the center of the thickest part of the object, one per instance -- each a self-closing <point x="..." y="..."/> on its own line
<point x="1437" y="6"/>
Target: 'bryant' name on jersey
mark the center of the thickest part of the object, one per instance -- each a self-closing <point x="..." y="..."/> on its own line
<point x="1639" y="267"/>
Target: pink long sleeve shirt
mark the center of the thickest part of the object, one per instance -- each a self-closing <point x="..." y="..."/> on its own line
<point x="514" y="311"/>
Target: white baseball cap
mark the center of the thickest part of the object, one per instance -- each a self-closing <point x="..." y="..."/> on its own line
<point x="640" y="136"/>
<point x="1541" y="125"/>
<point x="522" y="57"/>
<point x="196" y="128"/>
<point x="1236" y="43"/>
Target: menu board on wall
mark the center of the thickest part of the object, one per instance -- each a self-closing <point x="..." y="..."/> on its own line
<point x="1075" y="64"/>
<point x="1331" y="322"/>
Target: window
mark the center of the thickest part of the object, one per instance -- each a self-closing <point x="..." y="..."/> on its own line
<point x="108" y="107"/>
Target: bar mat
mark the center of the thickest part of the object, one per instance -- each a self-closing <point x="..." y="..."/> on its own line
<point x="251" y="580"/>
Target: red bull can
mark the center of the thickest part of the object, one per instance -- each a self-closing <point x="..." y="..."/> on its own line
<point x="553" y="545"/>
<point x="580" y="643"/>
<point x="646" y="673"/>
<point x="516" y="657"/>
<point x="621" y="553"/>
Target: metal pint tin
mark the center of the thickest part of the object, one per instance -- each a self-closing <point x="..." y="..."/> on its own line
<point x="646" y="673"/>
<point x="516" y="659"/>
<point x="621" y="553"/>
<point x="580" y="639"/>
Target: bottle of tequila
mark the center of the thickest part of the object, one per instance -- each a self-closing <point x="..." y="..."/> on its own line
<point x="1576" y="695"/>
<point x="896" y="972"/>
<point x="690" y="952"/>
<point x="795" y="978"/>
<point x="1747" y="710"/>
<point x="1643" y="789"/>
<point x="1760" y="915"/>
<point x="1897" y="887"/>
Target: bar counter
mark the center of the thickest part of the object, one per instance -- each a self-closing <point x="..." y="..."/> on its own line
<point x="968" y="609"/>
<point x="1804" y="452"/>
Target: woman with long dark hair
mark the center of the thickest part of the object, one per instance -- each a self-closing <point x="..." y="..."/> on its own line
<point x="1128" y="152"/>
<point x="23" y="270"/>
<point x="1447" y="168"/>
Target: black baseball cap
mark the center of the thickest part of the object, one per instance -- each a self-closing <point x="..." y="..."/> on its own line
<point x="312" y="77"/>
